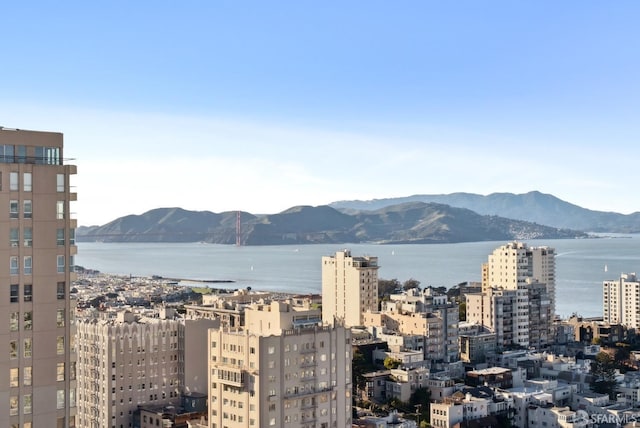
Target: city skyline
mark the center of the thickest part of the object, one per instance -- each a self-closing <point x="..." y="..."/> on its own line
<point x="258" y="108"/>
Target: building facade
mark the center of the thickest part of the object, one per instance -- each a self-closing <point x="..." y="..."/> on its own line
<point x="125" y="363"/>
<point x="37" y="368"/>
<point x="283" y="368"/>
<point x="621" y="301"/>
<point x="349" y="287"/>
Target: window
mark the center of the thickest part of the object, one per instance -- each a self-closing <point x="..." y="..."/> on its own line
<point x="72" y="263"/>
<point x="72" y="371"/>
<point x="28" y="208"/>
<point x="13" y="405"/>
<point x="60" y="317"/>
<point x="27" y="375"/>
<point x="14" y="237"/>
<point x="60" y="399"/>
<point x="14" y="293"/>
<point x="13" y="209"/>
<point x="60" y="345"/>
<point x="26" y="182"/>
<point x="28" y="320"/>
<point x="13" y="349"/>
<point x="72" y="236"/>
<point x="60" y="264"/>
<point x="28" y="292"/>
<point x="28" y="265"/>
<point x="14" y="377"/>
<point x="27" y="347"/>
<point x="60" y="182"/>
<point x="60" y="210"/>
<point x="14" y="267"/>
<point x="14" y="321"/>
<point x="28" y="237"/>
<point x="13" y="181"/>
<point x="26" y="403"/>
<point x="60" y="290"/>
<point x="60" y="237"/>
<point x="21" y="154"/>
<point x="60" y="372"/>
<point x="6" y="153"/>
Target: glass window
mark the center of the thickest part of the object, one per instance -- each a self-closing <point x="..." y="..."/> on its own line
<point x="60" y="237"/>
<point x="27" y="347"/>
<point x="13" y="181"/>
<point x="60" y="372"/>
<point x="14" y="321"/>
<point x="28" y="320"/>
<point x="28" y="237"/>
<point x="13" y="209"/>
<point x="60" y="345"/>
<point x="14" y="237"/>
<point x="72" y="370"/>
<point x="13" y="405"/>
<point x="60" y="182"/>
<point x="14" y="377"/>
<point x="28" y="265"/>
<point x="13" y="349"/>
<point x="60" y="317"/>
<point x="72" y="236"/>
<point x="60" y="264"/>
<point x="60" y="399"/>
<point x="28" y="292"/>
<point x="60" y="290"/>
<point x="27" y="375"/>
<point x="14" y="293"/>
<point x="60" y="210"/>
<point x="26" y="182"/>
<point x="21" y="154"/>
<point x="6" y="153"/>
<point x="28" y="208"/>
<point x="72" y="263"/>
<point x="14" y="266"/>
<point x="72" y="398"/>
<point x="26" y="401"/>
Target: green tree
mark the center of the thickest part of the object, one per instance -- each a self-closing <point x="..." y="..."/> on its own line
<point x="387" y="286"/>
<point x="462" y="308"/>
<point x="411" y="283"/>
<point x="391" y="363"/>
<point x="603" y="375"/>
<point x="420" y="400"/>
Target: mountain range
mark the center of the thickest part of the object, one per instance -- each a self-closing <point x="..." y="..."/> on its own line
<point x="457" y="217"/>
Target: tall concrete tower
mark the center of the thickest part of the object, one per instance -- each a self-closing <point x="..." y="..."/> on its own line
<point x="349" y="287"/>
<point x="37" y="247"/>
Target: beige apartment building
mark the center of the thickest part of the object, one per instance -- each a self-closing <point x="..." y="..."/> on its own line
<point x="621" y="301"/>
<point x="37" y="243"/>
<point x="127" y="362"/>
<point x="284" y="368"/>
<point x="349" y="287"/>
<point x="516" y="264"/>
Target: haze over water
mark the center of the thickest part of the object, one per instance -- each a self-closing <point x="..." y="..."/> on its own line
<point x="581" y="264"/>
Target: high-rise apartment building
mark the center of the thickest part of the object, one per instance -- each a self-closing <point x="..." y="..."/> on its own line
<point x="621" y="301"/>
<point x="127" y="362"/>
<point x="284" y="367"/>
<point x="516" y="264"/>
<point x="37" y="247"/>
<point x="349" y="287"/>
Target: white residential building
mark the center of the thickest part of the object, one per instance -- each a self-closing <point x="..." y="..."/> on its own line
<point x="621" y="301"/>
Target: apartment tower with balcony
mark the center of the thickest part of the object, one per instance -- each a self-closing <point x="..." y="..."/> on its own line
<point x="349" y="287"/>
<point x="37" y="247"/>
<point x="283" y="368"/>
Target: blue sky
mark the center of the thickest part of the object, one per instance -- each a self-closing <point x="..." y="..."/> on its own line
<point x="260" y="106"/>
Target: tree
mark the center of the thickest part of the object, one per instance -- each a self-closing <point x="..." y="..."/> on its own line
<point x="391" y="363"/>
<point x="462" y="308"/>
<point x="387" y="286"/>
<point x="604" y="375"/>
<point x="411" y="283"/>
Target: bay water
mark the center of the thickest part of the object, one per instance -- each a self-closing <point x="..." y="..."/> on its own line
<point x="581" y="264"/>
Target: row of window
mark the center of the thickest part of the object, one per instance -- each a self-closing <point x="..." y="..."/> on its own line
<point x="38" y="155"/>
<point x="14" y="265"/>
<point x="27" y="182"/>
<point x="27" y="235"/>
<point x="27" y="209"/>
<point x="27" y="349"/>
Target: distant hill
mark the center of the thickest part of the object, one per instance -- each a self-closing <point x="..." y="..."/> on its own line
<point x="415" y="222"/>
<point x="534" y="207"/>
